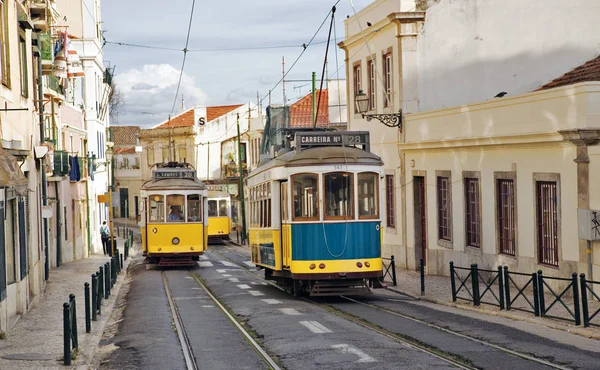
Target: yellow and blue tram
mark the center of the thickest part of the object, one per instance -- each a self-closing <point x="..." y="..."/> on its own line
<point x="219" y="215"/>
<point x="174" y="223"/>
<point x="314" y="211"/>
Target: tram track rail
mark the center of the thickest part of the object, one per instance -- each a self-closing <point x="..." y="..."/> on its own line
<point x="411" y="342"/>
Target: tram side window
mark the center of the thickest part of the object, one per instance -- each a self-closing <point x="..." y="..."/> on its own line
<point x="338" y="195"/>
<point x="194" y="204"/>
<point x="306" y="196"/>
<point x="212" y="208"/>
<point x="176" y="207"/>
<point x="157" y="208"/>
<point x="223" y="208"/>
<point x="368" y="201"/>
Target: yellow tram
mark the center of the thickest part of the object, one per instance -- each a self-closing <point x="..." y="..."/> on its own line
<point x="174" y="223"/>
<point x="315" y="220"/>
<point x="219" y="215"/>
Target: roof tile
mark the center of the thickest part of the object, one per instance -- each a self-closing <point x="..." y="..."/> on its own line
<point x="218" y="111"/>
<point x="589" y="71"/>
<point x="185" y="119"/>
<point x="125" y="135"/>
<point x="301" y="111"/>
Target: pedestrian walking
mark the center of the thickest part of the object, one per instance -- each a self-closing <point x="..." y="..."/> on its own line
<point x="105" y="235"/>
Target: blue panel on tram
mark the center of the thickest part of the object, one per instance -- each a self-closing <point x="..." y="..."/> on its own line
<point x="336" y="241"/>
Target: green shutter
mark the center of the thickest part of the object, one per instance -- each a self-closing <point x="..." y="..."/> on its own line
<point x="2" y="253"/>
<point x="22" y="215"/>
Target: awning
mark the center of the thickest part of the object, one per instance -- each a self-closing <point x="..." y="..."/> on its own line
<point x="10" y="172"/>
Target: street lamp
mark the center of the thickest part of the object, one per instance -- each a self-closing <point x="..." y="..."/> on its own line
<point x="390" y="120"/>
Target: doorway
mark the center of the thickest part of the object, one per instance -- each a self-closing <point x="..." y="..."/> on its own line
<point x="124" y="202"/>
<point x="420" y="217"/>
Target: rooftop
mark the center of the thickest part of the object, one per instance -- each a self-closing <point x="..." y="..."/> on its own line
<point x="125" y="135"/>
<point x="589" y="71"/>
<point x="301" y="111"/>
<point x="220" y="110"/>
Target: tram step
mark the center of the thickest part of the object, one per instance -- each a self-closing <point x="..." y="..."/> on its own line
<point x="333" y="288"/>
<point x="187" y="261"/>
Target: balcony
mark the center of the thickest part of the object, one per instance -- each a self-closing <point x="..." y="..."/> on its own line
<point x="232" y="170"/>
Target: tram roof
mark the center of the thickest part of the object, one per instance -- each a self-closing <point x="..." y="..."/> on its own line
<point x="174" y="184"/>
<point x="323" y="155"/>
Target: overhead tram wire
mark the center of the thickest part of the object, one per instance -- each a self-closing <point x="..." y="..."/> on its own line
<point x="324" y="66"/>
<point x="266" y="47"/>
<point x="185" y="50"/>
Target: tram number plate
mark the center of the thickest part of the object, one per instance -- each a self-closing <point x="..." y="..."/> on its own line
<point x="354" y="139"/>
<point x="339" y="167"/>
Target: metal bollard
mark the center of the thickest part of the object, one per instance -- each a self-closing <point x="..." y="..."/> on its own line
<point x="452" y="281"/>
<point x="536" y="300"/>
<point x="576" y="299"/>
<point x="541" y="296"/>
<point x="106" y="280"/>
<point x="94" y="297"/>
<point x="73" y="320"/>
<point x="500" y="287"/>
<point x="507" y="287"/>
<point x="475" y="284"/>
<point x="101" y="289"/>
<point x="422" y="270"/>
<point x="393" y="263"/>
<point x="67" y="334"/>
<point x="121" y="265"/>
<point x="88" y="318"/>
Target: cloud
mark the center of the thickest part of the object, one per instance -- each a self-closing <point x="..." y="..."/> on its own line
<point x="149" y="92"/>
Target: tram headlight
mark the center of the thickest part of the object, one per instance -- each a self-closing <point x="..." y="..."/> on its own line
<point x="154" y="230"/>
<point x="321" y="265"/>
<point x="312" y="266"/>
<point x="367" y="264"/>
<point x="359" y="264"/>
<point x="175" y="241"/>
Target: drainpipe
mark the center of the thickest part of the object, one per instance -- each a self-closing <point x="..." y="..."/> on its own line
<point x="43" y="166"/>
<point x="87" y="198"/>
<point x="58" y="227"/>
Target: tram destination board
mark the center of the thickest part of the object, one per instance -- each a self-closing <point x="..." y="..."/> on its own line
<point x="170" y="174"/>
<point x="309" y="139"/>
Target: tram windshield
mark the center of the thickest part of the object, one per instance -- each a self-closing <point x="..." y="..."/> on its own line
<point x="157" y="208"/>
<point x="367" y="195"/>
<point x="194" y="204"/>
<point x="176" y="207"/>
<point x="306" y="196"/>
<point x="338" y="195"/>
<point x="223" y="208"/>
<point x="213" y="211"/>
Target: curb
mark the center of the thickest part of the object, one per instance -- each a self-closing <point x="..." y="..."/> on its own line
<point x="587" y="333"/>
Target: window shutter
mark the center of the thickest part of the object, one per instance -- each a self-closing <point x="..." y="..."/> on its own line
<point x="22" y="210"/>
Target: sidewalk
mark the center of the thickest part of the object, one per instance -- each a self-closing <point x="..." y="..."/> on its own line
<point x="36" y="340"/>
<point x="438" y="290"/>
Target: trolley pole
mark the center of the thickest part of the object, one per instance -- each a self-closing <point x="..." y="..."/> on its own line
<point x="241" y="191"/>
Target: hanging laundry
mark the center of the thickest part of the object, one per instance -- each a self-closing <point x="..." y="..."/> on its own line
<point x="74" y="172"/>
<point x="92" y="166"/>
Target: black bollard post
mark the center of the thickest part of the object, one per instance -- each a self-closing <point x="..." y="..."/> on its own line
<point x="452" y="281"/>
<point x="121" y="265"/>
<point x="101" y="289"/>
<point x="507" y="287"/>
<point x="94" y="297"/>
<point x="88" y="318"/>
<point x="475" y="283"/>
<point x="422" y="270"/>
<point x="67" y="334"/>
<point x="107" y="279"/>
<point x="536" y="298"/>
<point x="500" y="287"/>
<point x="576" y="299"/>
<point x="541" y="296"/>
<point x="73" y="320"/>
<point x="393" y="263"/>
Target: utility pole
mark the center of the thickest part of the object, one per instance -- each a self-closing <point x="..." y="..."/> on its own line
<point x="314" y="99"/>
<point x="241" y="191"/>
<point x="283" y="80"/>
<point x="111" y="180"/>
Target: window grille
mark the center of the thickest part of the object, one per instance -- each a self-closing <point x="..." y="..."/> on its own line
<point x="444" y="209"/>
<point x="547" y="222"/>
<point x="472" y="212"/>
<point x="506" y="216"/>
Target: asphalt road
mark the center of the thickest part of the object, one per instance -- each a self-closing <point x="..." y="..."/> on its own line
<point x="302" y="335"/>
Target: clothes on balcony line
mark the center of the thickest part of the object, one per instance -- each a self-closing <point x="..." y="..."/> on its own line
<point x="74" y="172"/>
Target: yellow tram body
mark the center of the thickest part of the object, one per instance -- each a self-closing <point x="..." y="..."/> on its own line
<point x="219" y="215"/>
<point x="314" y="212"/>
<point x="174" y="224"/>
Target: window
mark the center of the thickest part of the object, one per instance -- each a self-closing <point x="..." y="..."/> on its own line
<point x="165" y="154"/>
<point x="4" y="45"/>
<point x="547" y="222"/>
<point x="223" y="208"/>
<point x="371" y="77"/>
<point x="472" y="212"/>
<point x="338" y="195"/>
<point x="306" y="196"/>
<point x="150" y="157"/>
<point x="194" y="204"/>
<point x="213" y="211"/>
<point x="157" y="208"/>
<point x="390" y="201"/>
<point x="10" y="241"/>
<point x="176" y="207"/>
<point x="387" y="80"/>
<point x="24" y="71"/>
<point x="505" y="189"/>
<point x="357" y="84"/>
<point x="368" y="201"/>
<point x="284" y="202"/>
<point x="444" y="208"/>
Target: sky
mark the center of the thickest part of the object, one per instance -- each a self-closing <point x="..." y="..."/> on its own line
<point x="147" y="77"/>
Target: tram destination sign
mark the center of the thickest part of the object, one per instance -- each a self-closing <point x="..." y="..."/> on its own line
<point x="170" y="174"/>
<point x="350" y="138"/>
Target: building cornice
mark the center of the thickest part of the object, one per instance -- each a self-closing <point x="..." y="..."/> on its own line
<point x="526" y="139"/>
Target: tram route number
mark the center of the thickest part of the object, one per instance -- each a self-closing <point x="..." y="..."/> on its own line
<point x="174" y="175"/>
<point x="353" y="139"/>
